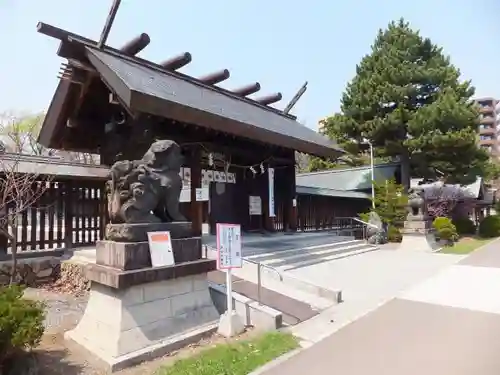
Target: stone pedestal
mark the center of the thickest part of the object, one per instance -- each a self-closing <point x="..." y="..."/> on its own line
<point x="136" y="312"/>
<point x="418" y="234"/>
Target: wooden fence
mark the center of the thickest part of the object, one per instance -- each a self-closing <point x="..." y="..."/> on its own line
<point x="72" y="213"/>
<point x="316" y="212"/>
<point x="69" y="214"/>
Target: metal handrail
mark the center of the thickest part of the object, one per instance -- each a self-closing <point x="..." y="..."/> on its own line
<point x="259" y="276"/>
<point x="364" y="222"/>
<point x="259" y="273"/>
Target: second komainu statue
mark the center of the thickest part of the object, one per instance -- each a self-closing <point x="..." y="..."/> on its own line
<point x="147" y="190"/>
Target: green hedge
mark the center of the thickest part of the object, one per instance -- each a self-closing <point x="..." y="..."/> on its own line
<point x="464" y="226"/>
<point x="490" y="226"/>
<point x="445" y="230"/>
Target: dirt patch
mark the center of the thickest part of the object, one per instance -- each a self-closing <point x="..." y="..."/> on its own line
<point x="56" y="356"/>
<point x="71" y="281"/>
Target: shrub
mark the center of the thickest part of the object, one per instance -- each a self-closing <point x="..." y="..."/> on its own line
<point x="445" y="230"/>
<point x="464" y="226"/>
<point x="448" y="234"/>
<point x="21" y="322"/>
<point x="441" y="222"/>
<point x="393" y="234"/>
<point x="490" y="226"/>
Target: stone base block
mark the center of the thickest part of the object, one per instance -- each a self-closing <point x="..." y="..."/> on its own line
<point x="128" y="256"/>
<point x="230" y="324"/>
<point x="417" y="226"/>
<point x="119" y="279"/>
<point x="139" y="232"/>
<point x="124" y="327"/>
<point x="419" y="242"/>
<point x="31" y="271"/>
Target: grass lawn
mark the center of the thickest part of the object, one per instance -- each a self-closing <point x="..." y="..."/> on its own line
<point x="239" y="358"/>
<point x="466" y="245"/>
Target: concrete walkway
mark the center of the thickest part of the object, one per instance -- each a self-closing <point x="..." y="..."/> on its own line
<point x="448" y="324"/>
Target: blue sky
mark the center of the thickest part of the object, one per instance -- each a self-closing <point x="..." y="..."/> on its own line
<point x="278" y="43"/>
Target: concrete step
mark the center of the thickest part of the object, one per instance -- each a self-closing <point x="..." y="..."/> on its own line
<point x="306" y="262"/>
<point x="82" y="256"/>
<point x="293" y="311"/>
<point x="263" y="255"/>
<point x="316" y="297"/>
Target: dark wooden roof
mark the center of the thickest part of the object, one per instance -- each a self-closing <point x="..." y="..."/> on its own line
<point x="145" y="87"/>
<point x="51" y="166"/>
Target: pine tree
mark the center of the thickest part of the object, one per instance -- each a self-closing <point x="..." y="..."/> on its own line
<point x="407" y="99"/>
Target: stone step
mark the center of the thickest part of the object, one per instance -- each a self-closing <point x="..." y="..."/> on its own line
<point x="289" y="259"/>
<point x="313" y="260"/>
<point x="294" y="311"/>
<point x="269" y="255"/>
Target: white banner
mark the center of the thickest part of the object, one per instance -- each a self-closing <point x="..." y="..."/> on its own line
<point x="270" y="172"/>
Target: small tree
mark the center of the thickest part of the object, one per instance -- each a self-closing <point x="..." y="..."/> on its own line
<point x="18" y="192"/>
<point x="390" y="202"/>
<point x="20" y="135"/>
<point x="408" y="100"/>
<point x="442" y="199"/>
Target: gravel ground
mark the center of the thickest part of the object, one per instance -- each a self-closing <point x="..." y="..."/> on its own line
<point x="56" y="356"/>
<point x="63" y="311"/>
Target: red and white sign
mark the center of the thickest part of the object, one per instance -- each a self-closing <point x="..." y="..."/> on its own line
<point x="160" y="248"/>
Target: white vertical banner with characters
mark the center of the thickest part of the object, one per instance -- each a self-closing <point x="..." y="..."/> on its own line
<point x="270" y="173"/>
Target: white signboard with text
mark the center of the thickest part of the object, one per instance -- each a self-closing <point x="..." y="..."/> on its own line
<point x="160" y="248"/>
<point x="201" y="194"/>
<point x="255" y="205"/>
<point x="270" y="172"/>
<point x="229" y="246"/>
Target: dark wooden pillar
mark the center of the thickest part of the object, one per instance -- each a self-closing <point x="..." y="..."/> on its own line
<point x="196" y="208"/>
<point x="69" y="207"/>
<point x="290" y="199"/>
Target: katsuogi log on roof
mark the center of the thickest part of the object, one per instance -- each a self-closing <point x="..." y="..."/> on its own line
<point x="143" y="87"/>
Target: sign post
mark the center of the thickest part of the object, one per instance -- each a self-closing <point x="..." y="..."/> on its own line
<point x="229" y="257"/>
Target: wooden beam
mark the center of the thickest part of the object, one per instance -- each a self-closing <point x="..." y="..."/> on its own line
<point x="216" y="77"/>
<point x="109" y="23"/>
<point x="136" y="45"/>
<point x="177" y="62"/>
<point x="196" y="207"/>
<point x="269" y="99"/>
<point x="247" y="90"/>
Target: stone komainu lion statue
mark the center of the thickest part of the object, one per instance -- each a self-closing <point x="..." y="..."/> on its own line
<point x="147" y="190"/>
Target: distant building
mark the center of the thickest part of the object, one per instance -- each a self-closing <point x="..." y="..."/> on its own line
<point x="489" y="124"/>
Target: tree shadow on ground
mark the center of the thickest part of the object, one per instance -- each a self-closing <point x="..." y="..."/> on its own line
<point x="43" y="362"/>
<point x="56" y="362"/>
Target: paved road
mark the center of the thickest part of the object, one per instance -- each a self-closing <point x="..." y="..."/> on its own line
<point x="447" y="325"/>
